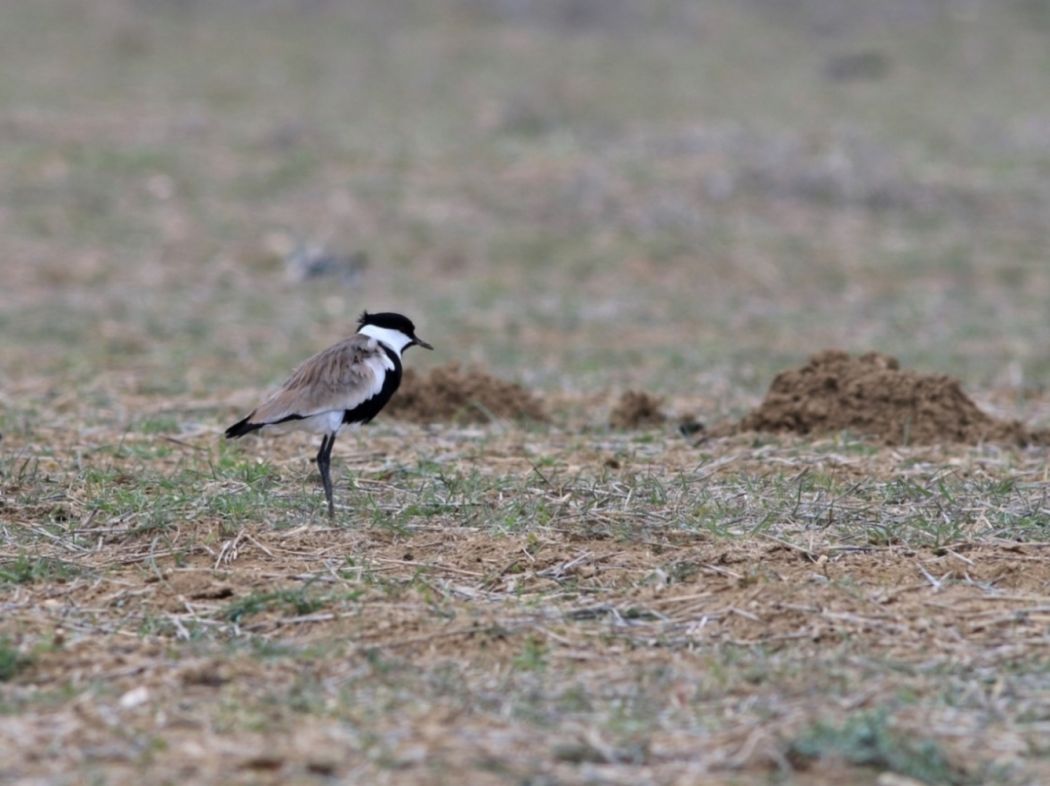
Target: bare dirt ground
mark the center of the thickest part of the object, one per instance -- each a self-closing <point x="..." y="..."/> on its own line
<point x="872" y="395"/>
<point x="520" y="604"/>
<point x="559" y="559"/>
<point x="450" y="626"/>
<point x="452" y="394"/>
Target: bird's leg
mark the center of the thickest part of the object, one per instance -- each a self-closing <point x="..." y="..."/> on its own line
<point x="324" y="460"/>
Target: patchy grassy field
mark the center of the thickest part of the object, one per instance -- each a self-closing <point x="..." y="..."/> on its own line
<point x="584" y="197"/>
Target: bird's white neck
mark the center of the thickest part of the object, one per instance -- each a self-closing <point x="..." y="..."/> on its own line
<point x="394" y="339"/>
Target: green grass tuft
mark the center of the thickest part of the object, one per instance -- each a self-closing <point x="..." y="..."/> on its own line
<point x="291" y="601"/>
<point x="11" y="660"/>
<point x="25" y="569"/>
<point x="868" y="740"/>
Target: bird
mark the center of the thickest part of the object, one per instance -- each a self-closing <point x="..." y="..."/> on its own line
<point x="345" y="385"/>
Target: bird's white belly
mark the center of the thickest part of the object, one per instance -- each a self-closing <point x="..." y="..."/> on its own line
<point x="321" y="423"/>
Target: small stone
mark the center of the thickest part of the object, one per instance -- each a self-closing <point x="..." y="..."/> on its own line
<point x="134" y="697"/>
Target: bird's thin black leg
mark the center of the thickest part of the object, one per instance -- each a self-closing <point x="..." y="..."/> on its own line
<point x="324" y="460"/>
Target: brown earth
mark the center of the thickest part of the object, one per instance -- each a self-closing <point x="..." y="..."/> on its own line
<point x="872" y="395"/>
<point x="656" y="607"/>
<point x="450" y="393"/>
<point x="637" y="409"/>
<point x="868" y="394"/>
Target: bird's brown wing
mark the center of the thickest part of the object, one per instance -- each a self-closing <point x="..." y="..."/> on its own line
<point x="340" y="377"/>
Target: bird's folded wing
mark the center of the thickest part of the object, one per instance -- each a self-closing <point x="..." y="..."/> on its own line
<point x="339" y="377"/>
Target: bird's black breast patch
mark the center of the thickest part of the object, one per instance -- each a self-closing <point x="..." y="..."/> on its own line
<point x="367" y="410"/>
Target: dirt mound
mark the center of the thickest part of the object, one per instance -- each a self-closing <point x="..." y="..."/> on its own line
<point x="637" y="409"/>
<point x="449" y="393"/>
<point x="872" y="395"/>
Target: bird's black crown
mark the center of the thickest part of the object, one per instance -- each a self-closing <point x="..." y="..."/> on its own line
<point x="389" y="320"/>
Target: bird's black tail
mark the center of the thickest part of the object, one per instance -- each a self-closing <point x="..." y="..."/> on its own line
<point x="242" y="427"/>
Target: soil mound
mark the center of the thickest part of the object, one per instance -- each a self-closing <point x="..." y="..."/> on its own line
<point x="637" y="409"/>
<point x="872" y="395"/>
<point x="449" y="393"/>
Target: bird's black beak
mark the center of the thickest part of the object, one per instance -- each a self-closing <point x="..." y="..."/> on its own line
<point x="421" y="343"/>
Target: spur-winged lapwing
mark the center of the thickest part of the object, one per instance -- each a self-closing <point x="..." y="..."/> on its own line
<point x="344" y="385"/>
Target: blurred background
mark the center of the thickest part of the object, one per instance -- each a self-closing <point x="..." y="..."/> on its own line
<point x="578" y="194"/>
